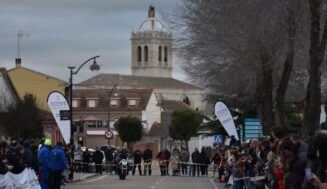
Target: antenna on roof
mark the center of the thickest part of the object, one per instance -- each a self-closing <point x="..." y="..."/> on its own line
<point x="20" y="36"/>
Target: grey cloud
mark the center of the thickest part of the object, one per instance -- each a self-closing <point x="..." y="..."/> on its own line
<point x="67" y="32"/>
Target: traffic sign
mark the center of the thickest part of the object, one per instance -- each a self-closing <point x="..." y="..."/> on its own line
<point x="218" y="138"/>
<point x="109" y="134"/>
<point x="251" y="129"/>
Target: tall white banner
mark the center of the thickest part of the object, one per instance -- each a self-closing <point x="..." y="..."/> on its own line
<point x="225" y="117"/>
<point x="57" y="102"/>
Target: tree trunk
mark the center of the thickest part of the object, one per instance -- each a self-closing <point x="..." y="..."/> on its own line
<point x="311" y="120"/>
<point x="129" y="147"/>
<point x="288" y="66"/>
<point x="186" y="146"/>
<point x="265" y="106"/>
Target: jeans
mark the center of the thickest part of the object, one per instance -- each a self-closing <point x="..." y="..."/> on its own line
<point x="184" y="168"/>
<point x="196" y="170"/>
<point x="248" y="184"/>
<point x="190" y="173"/>
<point x="109" y="167"/>
<point x="44" y="178"/>
<point x="215" y="169"/>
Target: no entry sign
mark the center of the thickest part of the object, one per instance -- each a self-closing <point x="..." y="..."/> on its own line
<point x="109" y="134"/>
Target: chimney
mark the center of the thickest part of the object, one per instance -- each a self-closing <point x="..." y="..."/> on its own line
<point x="151" y="12"/>
<point x="18" y="62"/>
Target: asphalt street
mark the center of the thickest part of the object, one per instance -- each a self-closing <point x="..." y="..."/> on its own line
<point x="145" y="182"/>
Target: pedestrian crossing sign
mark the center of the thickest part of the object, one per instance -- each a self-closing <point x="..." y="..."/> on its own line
<point x="218" y="139"/>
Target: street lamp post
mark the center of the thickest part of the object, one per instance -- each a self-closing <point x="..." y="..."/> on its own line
<point x="112" y="91"/>
<point x="93" y="67"/>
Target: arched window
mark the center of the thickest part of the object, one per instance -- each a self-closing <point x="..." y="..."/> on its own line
<point x="146" y="53"/>
<point x="139" y="54"/>
<point x="165" y="54"/>
<point x="160" y="54"/>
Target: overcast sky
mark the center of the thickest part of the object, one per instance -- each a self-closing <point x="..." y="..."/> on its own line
<point x="67" y="32"/>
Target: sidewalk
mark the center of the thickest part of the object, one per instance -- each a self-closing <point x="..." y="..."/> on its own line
<point x="82" y="176"/>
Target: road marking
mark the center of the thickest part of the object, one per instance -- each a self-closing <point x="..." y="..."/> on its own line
<point x="96" y="179"/>
<point x="157" y="183"/>
<point x="213" y="183"/>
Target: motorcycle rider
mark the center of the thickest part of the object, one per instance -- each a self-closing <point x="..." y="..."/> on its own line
<point x="123" y="155"/>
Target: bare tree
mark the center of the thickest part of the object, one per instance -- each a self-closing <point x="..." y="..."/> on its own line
<point x="239" y="49"/>
<point x="318" y="41"/>
<point x="293" y="8"/>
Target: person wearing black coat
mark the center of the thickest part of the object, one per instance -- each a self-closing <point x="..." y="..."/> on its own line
<point x="320" y="143"/>
<point x="204" y="160"/>
<point x="147" y="157"/>
<point x="109" y="153"/>
<point x="137" y="155"/>
<point x="123" y="154"/>
<point x="86" y="160"/>
<point x="14" y="158"/>
<point x="27" y="155"/>
<point x="196" y="160"/>
<point x="168" y="155"/>
<point x="216" y="160"/>
<point x="97" y="158"/>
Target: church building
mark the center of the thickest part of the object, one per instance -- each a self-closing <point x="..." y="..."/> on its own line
<point x="151" y="68"/>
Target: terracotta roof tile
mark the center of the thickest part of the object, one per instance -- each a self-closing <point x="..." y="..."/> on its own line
<point x="137" y="82"/>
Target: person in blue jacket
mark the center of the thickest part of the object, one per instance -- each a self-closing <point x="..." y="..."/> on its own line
<point x="44" y="160"/>
<point x="58" y="165"/>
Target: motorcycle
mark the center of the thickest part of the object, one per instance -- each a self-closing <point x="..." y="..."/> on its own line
<point x="124" y="166"/>
<point x="123" y="169"/>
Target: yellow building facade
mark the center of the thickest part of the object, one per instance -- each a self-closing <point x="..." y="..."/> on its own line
<point x="40" y="85"/>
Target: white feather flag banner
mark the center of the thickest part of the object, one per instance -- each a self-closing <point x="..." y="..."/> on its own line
<point x="225" y="117"/>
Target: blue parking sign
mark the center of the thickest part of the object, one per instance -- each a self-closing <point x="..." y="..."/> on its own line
<point x="218" y="138"/>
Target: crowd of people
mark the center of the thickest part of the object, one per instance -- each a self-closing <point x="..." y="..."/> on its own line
<point x="282" y="161"/>
<point x="54" y="165"/>
<point x="182" y="163"/>
<point x="47" y="162"/>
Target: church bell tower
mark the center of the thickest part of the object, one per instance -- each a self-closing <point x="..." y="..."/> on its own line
<point x="151" y="46"/>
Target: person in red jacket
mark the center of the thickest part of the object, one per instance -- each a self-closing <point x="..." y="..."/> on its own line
<point x="162" y="159"/>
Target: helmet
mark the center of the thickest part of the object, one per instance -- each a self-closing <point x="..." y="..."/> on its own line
<point x="47" y="142"/>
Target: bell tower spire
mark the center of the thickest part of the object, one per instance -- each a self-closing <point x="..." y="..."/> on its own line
<point x="152" y="48"/>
